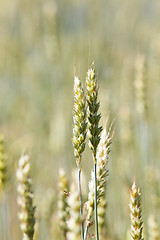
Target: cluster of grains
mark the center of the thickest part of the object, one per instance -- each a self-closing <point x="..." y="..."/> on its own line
<point x="63" y="211"/>
<point x="92" y="111"/>
<point x="3" y="168"/>
<point x="74" y="222"/>
<point x="79" y="121"/>
<point x="25" y="198"/>
<point x="102" y="155"/>
<point x="135" y="209"/>
<point x="153" y="228"/>
<point x="140" y="85"/>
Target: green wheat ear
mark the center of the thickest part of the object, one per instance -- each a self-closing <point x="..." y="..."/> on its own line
<point x="135" y="209"/>
<point x="79" y="121"/>
<point x="92" y="111"/>
<point x="25" y="198"/>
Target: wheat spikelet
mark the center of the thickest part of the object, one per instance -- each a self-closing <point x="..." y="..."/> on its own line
<point x="135" y="213"/>
<point x="25" y="198"/>
<point x="92" y="110"/>
<point x="79" y="121"/>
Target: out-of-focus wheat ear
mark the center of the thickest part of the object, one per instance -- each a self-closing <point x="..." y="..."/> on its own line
<point x="25" y="198"/>
<point x="63" y="210"/>
<point x="50" y="31"/>
<point x="135" y="213"/>
<point x="140" y="86"/>
<point x="101" y="216"/>
<point x="74" y="222"/>
<point x="153" y="228"/>
<point x="3" y="166"/>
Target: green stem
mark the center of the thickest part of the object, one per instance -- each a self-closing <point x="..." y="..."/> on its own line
<point x="95" y="198"/>
<point x="80" y="198"/>
<point x="86" y="232"/>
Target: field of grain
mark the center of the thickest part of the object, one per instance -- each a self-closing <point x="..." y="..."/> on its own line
<point x="58" y="60"/>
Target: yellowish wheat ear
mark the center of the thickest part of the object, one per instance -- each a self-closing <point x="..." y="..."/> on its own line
<point x="135" y="213"/>
<point x="25" y="198"/>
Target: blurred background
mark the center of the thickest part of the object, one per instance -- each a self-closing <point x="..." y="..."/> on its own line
<point x="41" y="41"/>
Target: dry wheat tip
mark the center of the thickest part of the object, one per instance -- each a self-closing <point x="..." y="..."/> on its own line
<point x="79" y="120"/>
<point x="135" y="213"/>
<point x="63" y="211"/>
<point x="74" y="222"/>
<point x="3" y="168"/>
<point x="102" y="155"/>
<point x="92" y="110"/>
<point x="25" y="198"/>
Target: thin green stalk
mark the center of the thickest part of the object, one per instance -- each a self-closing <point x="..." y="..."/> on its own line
<point x="86" y="232"/>
<point x="95" y="199"/>
<point x="81" y="205"/>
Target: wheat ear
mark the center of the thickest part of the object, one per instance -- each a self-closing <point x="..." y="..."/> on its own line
<point x="135" y="213"/>
<point x="25" y="198"/>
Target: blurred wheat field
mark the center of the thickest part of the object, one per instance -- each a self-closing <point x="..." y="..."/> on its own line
<point x="42" y="45"/>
